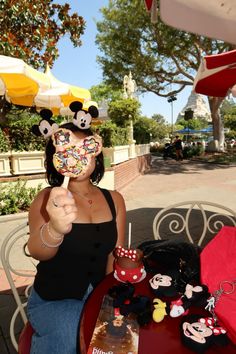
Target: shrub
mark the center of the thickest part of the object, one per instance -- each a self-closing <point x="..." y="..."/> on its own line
<point x="16" y="197"/>
<point x="4" y="141"/>
<point x="113" y="135"/>
<point x="22" y="139"/>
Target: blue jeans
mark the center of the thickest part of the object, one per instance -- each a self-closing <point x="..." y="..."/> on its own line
<point x="55" y="324"/>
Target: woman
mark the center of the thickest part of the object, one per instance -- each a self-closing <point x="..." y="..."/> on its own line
<point x="72" y="233"/>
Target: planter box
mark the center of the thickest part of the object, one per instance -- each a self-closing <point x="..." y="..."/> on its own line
<point x="5" y="169"/>
<point x="25" y="162"/>
<point x="142" y="149"/>
<point x="117" y="154"/>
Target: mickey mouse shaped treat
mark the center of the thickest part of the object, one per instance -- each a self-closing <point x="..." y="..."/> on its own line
<point x="83" y="114"/>
<point x="128" y="265"/>
<point x="73" y="155"/>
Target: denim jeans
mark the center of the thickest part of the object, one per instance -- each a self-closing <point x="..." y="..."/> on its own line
<point x="55" y="324"/>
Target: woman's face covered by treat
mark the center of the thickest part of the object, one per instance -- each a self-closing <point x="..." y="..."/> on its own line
<point x="74" y="155"/>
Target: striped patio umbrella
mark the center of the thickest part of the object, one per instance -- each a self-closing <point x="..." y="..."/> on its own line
<point x="25" y="86"/>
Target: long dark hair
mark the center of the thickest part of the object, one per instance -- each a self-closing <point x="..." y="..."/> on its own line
<point x="54" y="178"/>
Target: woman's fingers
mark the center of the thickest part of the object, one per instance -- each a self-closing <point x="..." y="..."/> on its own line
<point x="70" y="209"/>
<point x="62" y="209"/>
<point x="59" y="197"/>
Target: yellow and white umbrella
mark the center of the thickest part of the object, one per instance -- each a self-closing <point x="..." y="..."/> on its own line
<point x="26" y="86"/>
<point x="59" y="96"/>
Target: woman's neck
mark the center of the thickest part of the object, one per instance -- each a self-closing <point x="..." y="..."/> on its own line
<point x="83" y="187"/>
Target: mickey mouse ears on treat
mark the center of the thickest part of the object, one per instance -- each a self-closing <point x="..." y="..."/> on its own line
<point x="83" y="115"/>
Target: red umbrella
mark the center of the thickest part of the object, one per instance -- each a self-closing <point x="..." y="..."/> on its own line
<point x="216" y="74"/>
<point x="151" y="6"/>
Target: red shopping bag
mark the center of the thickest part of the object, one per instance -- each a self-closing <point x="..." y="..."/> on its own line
<point x="218" y="271"/>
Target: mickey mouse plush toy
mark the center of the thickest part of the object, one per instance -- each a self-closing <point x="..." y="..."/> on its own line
<point x="46" y="126"/>
<point x="82" y="117"/>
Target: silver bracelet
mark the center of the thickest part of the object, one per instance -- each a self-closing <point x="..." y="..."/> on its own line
<point x="51" y="235"/>
<point x="46" y="244"/>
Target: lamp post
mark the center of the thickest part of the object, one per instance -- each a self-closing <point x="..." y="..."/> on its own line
<point x="170" y="100"/>
<point x="130" y="88"/>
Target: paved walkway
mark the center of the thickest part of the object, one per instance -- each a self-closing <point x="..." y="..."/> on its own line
<point x="170" y="182"/>
<point x="166" y="183"/>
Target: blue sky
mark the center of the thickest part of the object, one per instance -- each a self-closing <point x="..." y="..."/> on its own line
<point x="78" y="66"/>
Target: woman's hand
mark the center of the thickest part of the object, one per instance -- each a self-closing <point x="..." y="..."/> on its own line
<point x="61" y="209"/>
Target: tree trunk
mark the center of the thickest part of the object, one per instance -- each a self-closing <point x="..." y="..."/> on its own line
<point x="218" y="126"/>
<point x="4" y="109"/>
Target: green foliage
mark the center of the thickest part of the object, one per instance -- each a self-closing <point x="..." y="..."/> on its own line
<point x="123" y="110"/>
<point x="159" y="118"/>
<point x="190" y="151"/>
<point x="4" y="141"/>
<point x="230" y="118"/>
<point x="113" y="135"/>
<point x="146" y="130"/>
<point x="15" y="197"/>
<point x="195" y="123"/>
<point x="226" y="106"/>
<point x="103" y="92"/>
<point x="31" y="29"/>
<point x="21" y="138"/>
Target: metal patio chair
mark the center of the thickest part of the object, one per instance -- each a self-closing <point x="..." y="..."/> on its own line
<point x="13" y="250"/>
<point x="195" y="221"/>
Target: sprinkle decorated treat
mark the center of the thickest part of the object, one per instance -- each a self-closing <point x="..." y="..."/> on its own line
<point x="73" y="155"/>
<point x="128" y="265"/>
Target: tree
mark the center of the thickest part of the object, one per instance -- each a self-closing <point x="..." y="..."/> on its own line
<point x="164" y="59"/>
<point x="103" y="92"/>
<point x="158" y="118"/>
<point x="146" y="129"/>
<point x="123" y="111"/>
<point x="230" y="118"/>
<point x="31" y="29"/>
<point x="193" y="123"/>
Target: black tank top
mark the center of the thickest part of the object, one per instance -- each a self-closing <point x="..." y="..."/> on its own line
<point x="81" y="259"/>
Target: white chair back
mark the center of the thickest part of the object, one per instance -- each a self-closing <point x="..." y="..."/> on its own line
<point x="196" y="221"/>
<point x="16" y="262"/>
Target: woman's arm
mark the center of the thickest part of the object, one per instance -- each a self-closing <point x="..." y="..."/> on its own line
<point x="47" y="223"/>
<point x="121" y="225"/>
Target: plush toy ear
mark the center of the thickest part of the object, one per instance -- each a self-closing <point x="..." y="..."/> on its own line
<point x="35" y="130"/>
<point x="46" y="113"/>
<point x="76" y="106"/>
<point x="93" y="111"/>
<point x="46" y="126"/>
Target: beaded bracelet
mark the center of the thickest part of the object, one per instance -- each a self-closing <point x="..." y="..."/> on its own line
<point x="46" y="244"/>
<point x="51" y="235"/>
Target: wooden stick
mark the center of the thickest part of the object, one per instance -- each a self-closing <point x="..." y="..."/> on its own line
<point x="129" y="239"/>
<point x="65" y="182"/>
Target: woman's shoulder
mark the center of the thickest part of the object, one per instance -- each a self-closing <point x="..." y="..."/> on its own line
<point x="116" y="196"/>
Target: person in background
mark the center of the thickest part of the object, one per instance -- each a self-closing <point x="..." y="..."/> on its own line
<point x="72" y="233"/>
<point x="178" y="148"/>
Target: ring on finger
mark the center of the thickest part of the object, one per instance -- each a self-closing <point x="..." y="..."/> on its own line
<point x="55" y="203"/>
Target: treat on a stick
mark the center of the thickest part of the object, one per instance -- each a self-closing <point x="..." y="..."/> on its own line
<point x="128" y="263"/>
<point x="73" y="155"/>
